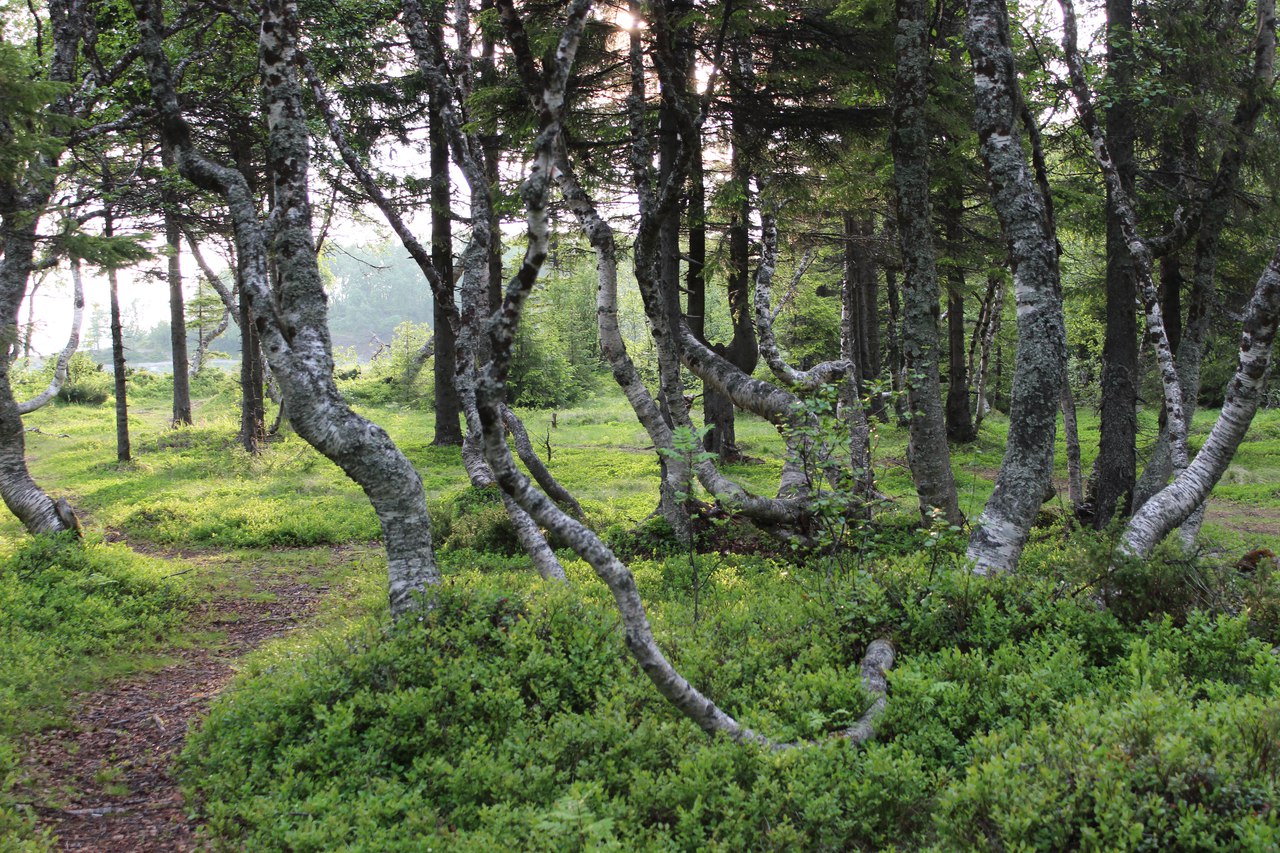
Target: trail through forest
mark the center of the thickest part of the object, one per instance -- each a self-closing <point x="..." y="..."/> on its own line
<point x="106" y="781"/>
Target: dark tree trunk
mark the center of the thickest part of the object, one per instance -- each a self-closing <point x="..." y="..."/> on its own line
<point x="447" y="405"/>
<point x="123" y="450"/>
<point x="1027" y="464"/>
<point x="862" y="276"/>
<point x="1117" y="462"/>
<point x="177" y="311"/>
<point x="695" y="277"/>
<point x="253" y="416"/>
<point x="928" y="454"/>
<point x="959" y="415"/>
<point x="743" y="349"/>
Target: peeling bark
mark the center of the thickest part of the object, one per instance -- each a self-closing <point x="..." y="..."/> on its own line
<point x="1177" y="501"/>
<point x="1001" y="531"/>
<point x="291" y="319"/>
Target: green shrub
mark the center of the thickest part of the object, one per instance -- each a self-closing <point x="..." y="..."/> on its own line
<point x="514" y="720"/>
<point x="67" y="606"/>
<point x="1147" y="771"/>
<point x="478" y="520"/>
<point x="87" y="382"/>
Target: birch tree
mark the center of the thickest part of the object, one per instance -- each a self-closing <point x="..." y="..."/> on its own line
<point x="1001" y="530"/>
<point x="291" y="317"/>
<point x="33" y="136"/>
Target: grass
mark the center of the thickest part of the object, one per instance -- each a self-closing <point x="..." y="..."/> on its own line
<point x="328" y="740"/>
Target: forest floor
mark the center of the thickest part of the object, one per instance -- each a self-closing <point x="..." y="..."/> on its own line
<point x="105" y="782"/>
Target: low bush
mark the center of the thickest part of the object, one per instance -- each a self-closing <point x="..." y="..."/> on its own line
<point x="87" y="383"/>
<point x="1021" y="716"/>
<point x="68" y="607"/>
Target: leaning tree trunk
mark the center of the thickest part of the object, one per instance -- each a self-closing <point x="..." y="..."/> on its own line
<point x="177" y="311"/>
<point x="73" y="343"/>
<point x="928" y="454"/>
<point x="1001" y="531"/>
<point x="1177" y="501"/>
<point x="292" y="320"/>
<point x="23" y="199"/>
<point x="26" y="500"/>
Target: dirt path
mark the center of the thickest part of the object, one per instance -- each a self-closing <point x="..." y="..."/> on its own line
<point x="105" y="783"/>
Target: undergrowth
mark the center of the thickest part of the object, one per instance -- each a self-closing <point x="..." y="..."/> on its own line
<point x="73" y="612"/>
<point x="509" y="716"/>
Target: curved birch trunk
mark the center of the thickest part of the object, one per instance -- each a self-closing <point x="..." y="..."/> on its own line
<point x="23" y="199"/>
<point x="638" y="633"/>
<point x="292" y="320"/>
<point x="1001" y="530"/>
<point x="73" y="343"/>
<point x="1177" y="501"/>
<point x="539" y="470"/>
<point x="1212" y="219"/>
<point x="927" y="452"/>
<point x="1122" y="207"/>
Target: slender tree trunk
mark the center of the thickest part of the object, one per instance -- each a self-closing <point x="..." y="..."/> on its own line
<point x="959" y="416"/>
<point x="124" y="452"/>
<point x="177" y="312"/>
<point x="742" y="350"/>
<point x="995" y="311"/>
<point x="928" y="454"/>
<point x="448" y="430"/>
<point x="1075" y="474"/>
<point x="1001" y="531"/>
<point x="29" y="330"/>
<point x="253" y="428"/>
<point x="73" y="343"/>
<point x="867" y="305"/>
<point x="1117" y="463"/>
<point x="119" y="370"/>
<point x="695" y="278"/>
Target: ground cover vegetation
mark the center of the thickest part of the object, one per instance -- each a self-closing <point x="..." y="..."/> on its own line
<point x="509" y="714"/>
<point x="904" y="583"/>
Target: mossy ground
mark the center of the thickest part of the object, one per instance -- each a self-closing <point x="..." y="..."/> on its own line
<point x="512" y="716"/>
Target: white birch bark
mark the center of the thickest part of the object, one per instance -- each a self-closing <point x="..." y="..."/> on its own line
<point x="291" y="320"/>
<point x="1173" y="504"/>
<point x="1001" y="530"/>
<point x="73" y="343"/>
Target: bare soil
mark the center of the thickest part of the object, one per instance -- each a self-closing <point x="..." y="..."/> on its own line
<point x="106" y="782"/>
